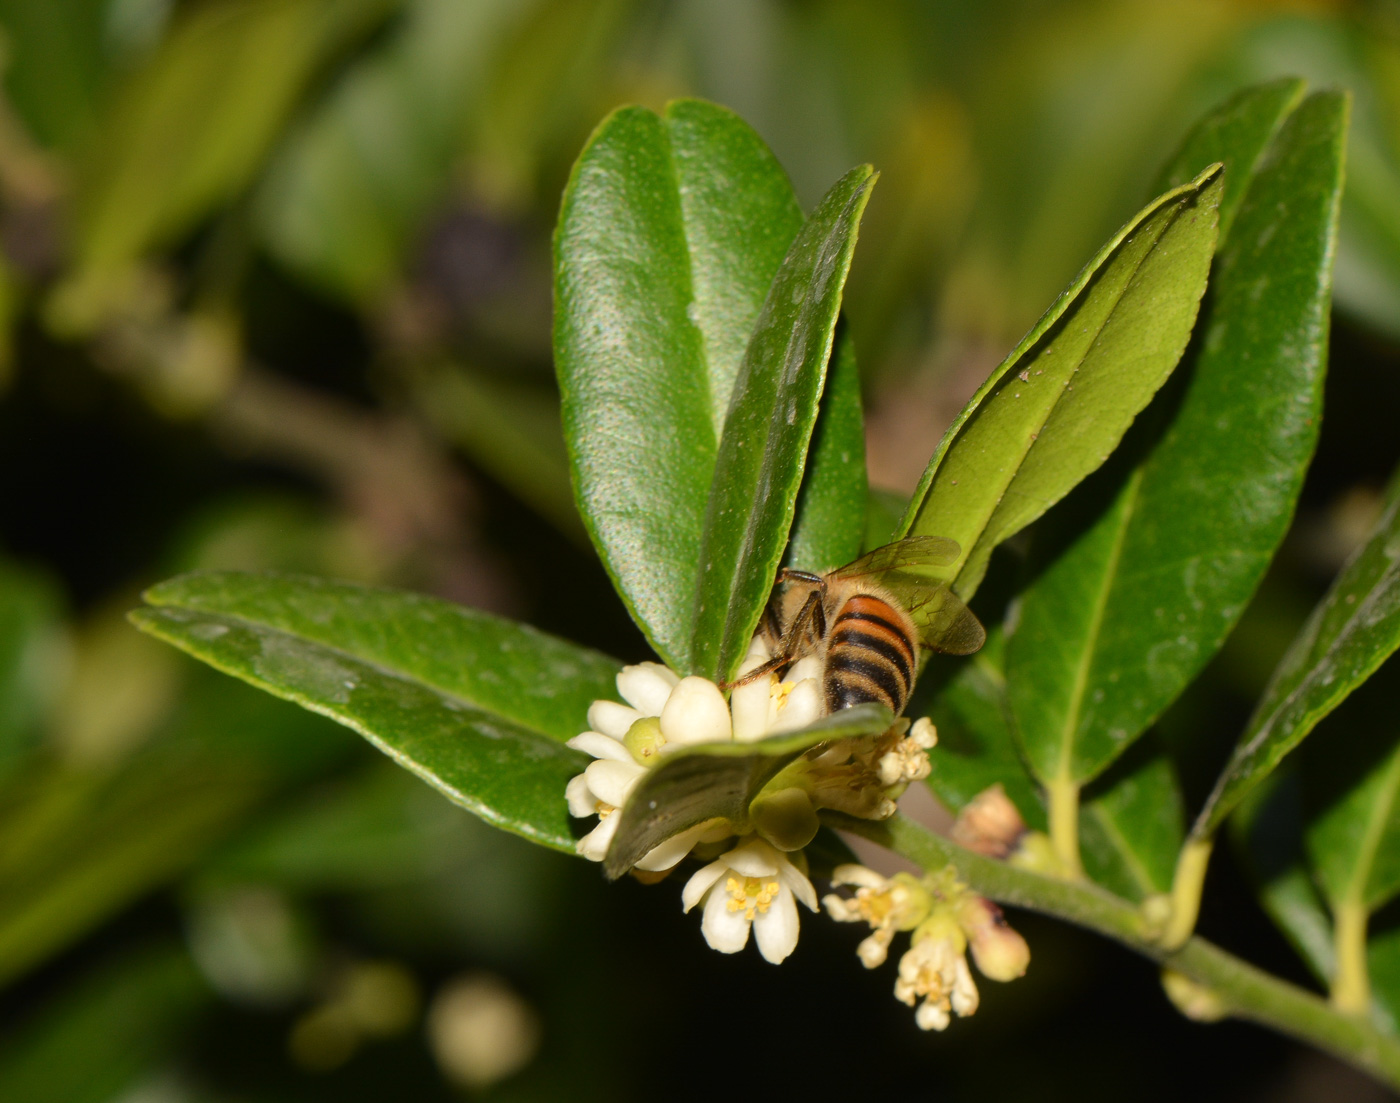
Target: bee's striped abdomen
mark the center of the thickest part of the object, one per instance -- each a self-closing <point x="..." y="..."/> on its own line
<point x="871" y="655"/>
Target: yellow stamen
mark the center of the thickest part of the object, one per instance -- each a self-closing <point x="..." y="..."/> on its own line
<point x="750" y="895"/>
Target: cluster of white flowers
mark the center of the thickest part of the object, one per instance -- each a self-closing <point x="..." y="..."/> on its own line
<point x="757" y="883"/>
<point x="946" y="920"/>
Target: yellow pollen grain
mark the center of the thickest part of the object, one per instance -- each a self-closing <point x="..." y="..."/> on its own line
<point x="750" y="896"/>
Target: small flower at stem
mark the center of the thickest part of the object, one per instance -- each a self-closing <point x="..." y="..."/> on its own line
<point x="754" y="886"/>
<point x="1000" y="952"/>
<point x="898" y="903"/>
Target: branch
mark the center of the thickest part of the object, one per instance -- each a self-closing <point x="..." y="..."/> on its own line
<point x="1244" y="991"/>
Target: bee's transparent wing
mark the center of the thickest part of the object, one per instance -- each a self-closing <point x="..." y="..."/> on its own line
<point x="903" y="555"/>
<point x="944" y="622"/>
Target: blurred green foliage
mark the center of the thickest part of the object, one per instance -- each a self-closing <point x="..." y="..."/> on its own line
<point x="274" y="293"/>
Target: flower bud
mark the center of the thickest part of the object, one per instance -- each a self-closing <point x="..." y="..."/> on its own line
<point x="989" y="824"/>
<point x="644" y="740"/>
<point x="646" y="687"/>
<point x="696" y="712"/>
<point x="785" y="818"/>
<point x="1000" y="952"/>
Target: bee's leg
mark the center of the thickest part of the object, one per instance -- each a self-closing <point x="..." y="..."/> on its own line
<point x="809" y="617"/>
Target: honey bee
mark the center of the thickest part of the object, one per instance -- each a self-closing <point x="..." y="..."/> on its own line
<point x="867" y="620"/>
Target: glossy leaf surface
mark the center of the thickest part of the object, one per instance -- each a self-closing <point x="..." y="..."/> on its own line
<point x="1348" y="636"/>
<point x="476" y="706"/>
<point x="712" y="780"/>
<point x="829" y="524"/>
<point x="758" y="469"/>
<point x="1122" y="619"/>
<point x="1060" y="403"/>
<point x="1131" y="825"/>
<point x="670" y="233"/>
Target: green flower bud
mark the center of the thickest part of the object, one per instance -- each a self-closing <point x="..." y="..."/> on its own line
<point x="785" y="818"/>
<point x="644" y="740"/>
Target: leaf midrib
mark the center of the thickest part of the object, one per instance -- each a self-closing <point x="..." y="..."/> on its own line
<point x="1355" y="892"/>
<point x="1070" y="730"/>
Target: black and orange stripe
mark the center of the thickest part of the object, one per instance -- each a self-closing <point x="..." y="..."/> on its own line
<point x="871" y="655"/>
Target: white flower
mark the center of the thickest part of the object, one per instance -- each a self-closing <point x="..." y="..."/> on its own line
<point x="754" y="885"/>
<point x="898" y="903"/>
<point x="662" y="709"/>
<point x="935" y="970"/>
<point x="767" y="706"/>
<point x="908" y="761"/>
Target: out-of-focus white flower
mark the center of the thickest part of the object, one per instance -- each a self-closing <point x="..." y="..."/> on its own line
<point x="934" y="970"/>
<point x="752" y="886"/>
<point x="897" y="903"/>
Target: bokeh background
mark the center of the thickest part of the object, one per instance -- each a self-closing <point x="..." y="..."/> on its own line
<point x="274" y="293"/>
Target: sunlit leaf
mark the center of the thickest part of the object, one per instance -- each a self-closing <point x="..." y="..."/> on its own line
<point x="477" y="706"/>
<point x="759" y="465"/>
<point x="1182" y="524"/>
<point x="711" y="780"/>
<point x="1059" y="404"/>
<point x="670" y="233"/>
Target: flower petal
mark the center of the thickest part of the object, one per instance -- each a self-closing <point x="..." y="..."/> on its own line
<point x="646" y="686"/>
<point x="581" y="800"/>
<point x="612" y="782"/>
<point x="749" y="703"/>
<point x="802" y="707"/>
<point x="667" y="854"/>
<point x="805" y="668"/>
<point x="696" y="712"/>
<point x="726" y="931"/>
<point x="802" y="888"/>
<point x="700" y="883"/>
<point x="611" y="718"/>
<point x="860" y="876"/>
<point x="600" y="746"/>
<point x="776" y="929"/>
<point x="753" y="858"/>
<point x="594" y="845"/>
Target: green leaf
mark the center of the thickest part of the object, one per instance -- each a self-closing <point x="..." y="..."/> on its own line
<point x="1267" y="832"/>
<point x="1351" y="794"/>
<point x="31" y="658"/>
<point x="671" y="230"/>
<point x="104" y="1033"/>
<point x="1131" y="825"/>
<point x="758" y="469"/>
<point x="828" y="529"/>
<point x="54" y="66"/>
<point x="976" y="749"/>
<point x="193" y="124"/>
<point x="476" y="706"/>
<point x="710" y="780"/>
<point x="1120" y="621"/>
<point x="346" y="193"/>
<point x="1059" y="404"/>
<point x="1354" y="629"/>
<point x="80" y="842"/>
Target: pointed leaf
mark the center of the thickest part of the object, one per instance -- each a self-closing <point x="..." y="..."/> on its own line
<point x="1348" y="636"/>
<point x="670" y="233"/>
<point x="711" y="780"/>
<point x="828" y="528"/>
<point x="1131" y="825"/>
<point x="1059" y="404"/>
<point x="1117" y="624"/>
<point x="476" y="706"/>
<point x="758" y="469"/>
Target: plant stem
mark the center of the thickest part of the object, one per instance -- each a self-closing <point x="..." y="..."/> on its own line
<point x="1187" y="885"/>
<point x="1062" y="795"/>
<point x="1244" y="991"/>
<point x="1351" y="983"/>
